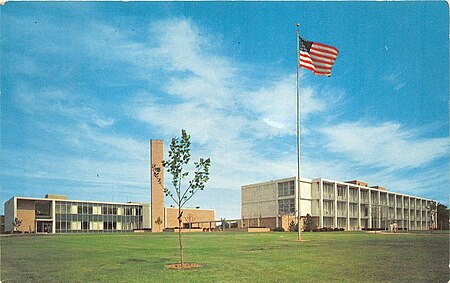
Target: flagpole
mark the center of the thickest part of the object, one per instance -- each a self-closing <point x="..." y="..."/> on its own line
<point x="299" y="234"/>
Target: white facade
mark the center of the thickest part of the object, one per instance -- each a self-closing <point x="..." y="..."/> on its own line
<point x="349" y="205"/>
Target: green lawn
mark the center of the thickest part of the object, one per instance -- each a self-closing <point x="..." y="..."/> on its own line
<point x="227" y="257"/>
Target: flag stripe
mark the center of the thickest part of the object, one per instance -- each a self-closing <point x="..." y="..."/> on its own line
<point x="317" y="57"/>
<point x="322" y="55"/>
<point x="315" y="69"/>
<point x="328" y="48"/>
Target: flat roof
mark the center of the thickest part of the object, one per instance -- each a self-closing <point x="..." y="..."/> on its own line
<point x="70" y="200"/>
<point x="303" y="180"/>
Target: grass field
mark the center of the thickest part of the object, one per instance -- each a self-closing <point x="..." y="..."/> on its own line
<point x="227" y="257"/>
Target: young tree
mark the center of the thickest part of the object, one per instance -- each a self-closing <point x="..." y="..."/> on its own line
<point x="179" y="156"/>
<point x="158" y="222"/>
<point x="16" y="223"/>
<point x="432" y="212"/>
<point x="189" y="219"/>
<point x="308" y="223"/>
<point x="442" y="217"/>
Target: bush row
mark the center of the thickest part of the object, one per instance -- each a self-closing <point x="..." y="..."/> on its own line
<point x="324" y="229"/>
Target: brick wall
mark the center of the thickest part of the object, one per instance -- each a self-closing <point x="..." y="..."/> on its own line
<point x="25" y="212"/>
<point x="189" y="215"/>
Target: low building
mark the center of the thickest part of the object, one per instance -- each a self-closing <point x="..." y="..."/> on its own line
<point x="57" y="214"/>
<point x="351" y="205"/>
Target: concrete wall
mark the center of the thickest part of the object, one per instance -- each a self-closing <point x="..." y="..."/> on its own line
<point x="305" y="205"/>
<point x="259" y="200"/>
<point x="147" y="216"/>
<point x="10" y="209"/>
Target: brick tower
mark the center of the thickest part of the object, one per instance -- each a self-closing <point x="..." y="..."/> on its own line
<point x="157" y="190"/>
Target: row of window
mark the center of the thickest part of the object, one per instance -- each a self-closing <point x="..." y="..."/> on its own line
<point x="385" y="212"/>
<point x="341" y="191"/>
<point x="63" y="226"/>
<point x="96" y="209"/>
<point x="88" y="217"/>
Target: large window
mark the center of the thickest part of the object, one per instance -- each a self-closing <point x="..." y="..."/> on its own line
<point x="328" y="191"/>
<point x="341" y="209"/>
<point x="286" y="189"/>
<point x="328" y="208"/>
<point x="364" y="196"/>
<point x="79" y="217"/>
<point x="138" y="211"/>
<point x="43" y="209"/>
<point x="354" y="210"/>
<point x="354" y="194"/>
<point x="342" y="192"/>
<point x="286" y="206"/>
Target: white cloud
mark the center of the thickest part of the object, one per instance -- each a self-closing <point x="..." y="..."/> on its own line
<point x="276" y="104"/>
<point x="218" y="111"/>
<point x="384" y="145"/>
<point x="102" y="123"/>
<point x="395" y="80"/>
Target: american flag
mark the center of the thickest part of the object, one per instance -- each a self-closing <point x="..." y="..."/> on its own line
<point x="317" y="57"/>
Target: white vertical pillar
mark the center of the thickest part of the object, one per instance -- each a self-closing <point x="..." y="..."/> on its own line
<point x="53" y="217"/>
<point x="320" y="203"/>
<point x="409" y="213"/>
<point x="359" y="208"/>
<point x="416" y="218"/>
<point x="421" y="214"/>
<point x="14" y="208"/>
<point x="426" y="215"/>
<point x="379" y="210"/>
<point x="395" y="207"/>
<point x="348" y="207"/>
<point x="403" y="213"/>
<point x="335" y="205"/>
<point x="370" y="210"/>
<point x="388" y="215"/>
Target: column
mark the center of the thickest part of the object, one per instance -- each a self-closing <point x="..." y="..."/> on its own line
<point x="403" y="213"/>
<point x="415" y="214"/>
<point x="421" y="214"/>
<point x="369" y="220"/>
<point x="53" y="217"/>
<point x="359" y="208"/>
<point x="409" y="213"/>
<point x="320" y="203"/>
<point x="388" y="215"/>
<point x="395" y="207"/>
<point x="348" y="207"/>
<point x="335" y="205"/>
<point x="379" y="210"/>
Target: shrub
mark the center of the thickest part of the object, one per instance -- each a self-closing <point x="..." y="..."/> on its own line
<point x="279" y="229"/>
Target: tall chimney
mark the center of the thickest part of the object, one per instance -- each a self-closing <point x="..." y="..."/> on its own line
<point x="157" y="188"/>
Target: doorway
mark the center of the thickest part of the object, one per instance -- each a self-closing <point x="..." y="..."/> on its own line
<point x="44" y="227"/>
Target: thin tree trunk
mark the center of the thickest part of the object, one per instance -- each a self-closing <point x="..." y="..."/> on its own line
<point x="179" y="236"/>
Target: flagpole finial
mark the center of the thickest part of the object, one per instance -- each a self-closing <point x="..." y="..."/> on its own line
<point x="298" y="24"/>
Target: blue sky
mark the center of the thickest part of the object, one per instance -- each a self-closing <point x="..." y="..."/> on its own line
<point x="85" y="86"/>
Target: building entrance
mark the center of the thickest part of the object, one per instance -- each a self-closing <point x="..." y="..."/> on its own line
<point x="44" y="227"/>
